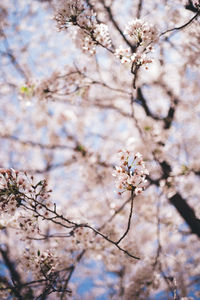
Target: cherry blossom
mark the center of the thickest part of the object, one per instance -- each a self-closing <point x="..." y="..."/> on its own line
<point x="74" y="90"/>
<point x="131" y="173"/>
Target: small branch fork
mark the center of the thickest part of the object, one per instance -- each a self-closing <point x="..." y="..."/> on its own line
<point x="79" y="257"/>
<point x="16" y="286"/>
<point x="58" y="218"/>
<point x="31" y="203"/>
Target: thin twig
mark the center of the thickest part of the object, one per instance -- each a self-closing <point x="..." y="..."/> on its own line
<point x="129" y="219"/>
<point x="182" y="26"/>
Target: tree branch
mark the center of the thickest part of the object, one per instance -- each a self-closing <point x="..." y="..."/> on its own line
<point x="129" y="219"/>
<point x="186" y="212"/>
<point x="182" y="26"/>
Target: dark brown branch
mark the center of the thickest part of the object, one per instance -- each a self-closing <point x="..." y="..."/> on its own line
<point x="115" y="213"/>
<point x="171" y="112"/>
<point x="11" y="55"/>
<point x="62" y="218"/>
<point x="13" y="273"/>
<point x="72" y="269"/>
<point x="134" y="71"/>
<point x="190" y="6"/>
<point x="186" y="212"/>
<point x="139" y="9"/>
<point x="35" y="144"/>
<point x="108" y="9"/>
<point x="51" y="167"/>
<point x="159" y="248"/>
<point x="166" y="169"/>
<point x="112" y="242"/>
<point x="129" y="219"/>
<point x="182" y="26"/>
<point x="142" y="101"/>
<point x="110" y="88"/>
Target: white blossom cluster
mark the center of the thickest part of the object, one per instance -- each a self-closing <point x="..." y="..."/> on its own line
<point x="131" y="173"/>
<point x="141" y="59"/>
<point x="101" y="35"/>
<point x="141" y="32"/>
<point x="124" y="54"/>
<point x="127" y="57"/>
<point x="98" y="35"/>
<point x="16" y="189"/>
<point x="28" y="225"/>
<point x="143" y="35"/>
<point x="72" y="12"/>
<point x="90" y="32"/>
<point x="87" y="44"/>
<point x="89" y="40"/>
<point x="42" y="264"/>
<point x="12" y="186"/>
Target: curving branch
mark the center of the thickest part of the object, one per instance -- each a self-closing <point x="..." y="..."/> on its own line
<point x="11" y="55"/>
<point x="16" y="280"/>
<point x="108" y="9"/>
<point x="59" y="219"/>
<point x="182" y="26"/>
<point x="129" y="219"/>
<point x="142" y="101"/>
<point x="186" y="212"/>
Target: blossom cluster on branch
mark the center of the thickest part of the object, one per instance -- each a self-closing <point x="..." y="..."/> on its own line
<point x="69" y="101"/>
<point x="143" y="35"/>
<point x="31" y="209"/>
<point x="89" y="31"/>
<point x="131" y="173"/>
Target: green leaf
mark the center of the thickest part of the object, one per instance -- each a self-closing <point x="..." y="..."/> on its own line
<point x="24" y="89"/>
<point x="147" y="128"/>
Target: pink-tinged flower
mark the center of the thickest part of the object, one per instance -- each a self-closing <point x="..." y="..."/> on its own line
<point x="102" y="35"/>
<point x="141" y="32"/>
<point x="124" y="54"/>
<point x="138" y="191"/>
<point x="131" y="174"/>
<point x="144" y="35"/>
